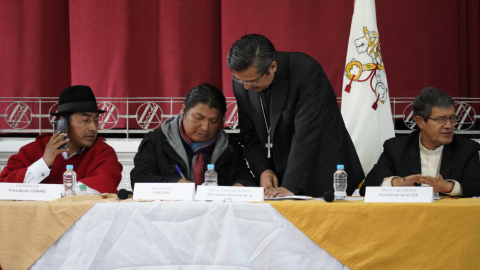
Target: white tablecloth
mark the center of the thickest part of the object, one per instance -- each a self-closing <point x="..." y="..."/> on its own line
<point x="185" y="235"/>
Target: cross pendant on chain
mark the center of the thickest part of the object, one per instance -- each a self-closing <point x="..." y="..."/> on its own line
<point x="269" y="146"/>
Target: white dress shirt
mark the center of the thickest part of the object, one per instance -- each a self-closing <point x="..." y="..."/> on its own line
<point x="39" y="171"/>
<point x="430" y="161"/>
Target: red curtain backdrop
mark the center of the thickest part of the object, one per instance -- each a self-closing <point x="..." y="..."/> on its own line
<point x="150" y="48"/>
<point x="34" y="48"/>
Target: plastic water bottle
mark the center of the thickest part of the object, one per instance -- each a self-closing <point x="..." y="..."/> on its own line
<point x="340" y="183"/>
<point x="69" y="181"/>
<point x="82" y="189"/>
<point x="211" y="176"/>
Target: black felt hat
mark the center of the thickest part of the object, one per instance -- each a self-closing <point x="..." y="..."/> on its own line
<point x="77" y="98"/>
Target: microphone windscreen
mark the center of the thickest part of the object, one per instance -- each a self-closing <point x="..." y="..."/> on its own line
<point x="122" y="194"/>
<point x="328" y="196"/>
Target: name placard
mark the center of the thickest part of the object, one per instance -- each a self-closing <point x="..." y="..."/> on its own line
<point x="164" y="191"/>
<point x="399" y="194"/>
<point x="30" y="192"/>
<point x="229" y="193"/>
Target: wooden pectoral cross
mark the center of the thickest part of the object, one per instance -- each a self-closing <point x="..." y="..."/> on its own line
<point x="269" y="146"/>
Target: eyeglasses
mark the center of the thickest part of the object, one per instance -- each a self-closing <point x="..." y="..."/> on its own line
<point x="442" y="120"/>
<point x="252" y="82"/>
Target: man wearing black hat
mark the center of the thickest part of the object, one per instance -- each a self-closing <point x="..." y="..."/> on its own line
<point x="44" y="161"/>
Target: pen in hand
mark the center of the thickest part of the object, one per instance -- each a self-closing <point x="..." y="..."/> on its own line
<point x="180" y="172"/>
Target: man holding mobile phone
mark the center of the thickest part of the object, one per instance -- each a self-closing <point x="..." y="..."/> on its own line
<point x="44" y="160"/>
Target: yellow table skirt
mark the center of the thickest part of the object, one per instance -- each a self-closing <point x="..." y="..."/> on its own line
<point x="439" y="235"/>
<point x="444" y="234"/>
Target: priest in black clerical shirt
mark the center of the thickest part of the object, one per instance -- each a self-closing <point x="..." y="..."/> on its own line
<point x="290" y="123"/>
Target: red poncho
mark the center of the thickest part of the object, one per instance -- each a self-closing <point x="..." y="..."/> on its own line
<point x="97" y="166"/>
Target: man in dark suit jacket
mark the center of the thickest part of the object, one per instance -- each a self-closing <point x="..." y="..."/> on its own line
<point x="433" y="155"/>
<point x="291" y="106"/>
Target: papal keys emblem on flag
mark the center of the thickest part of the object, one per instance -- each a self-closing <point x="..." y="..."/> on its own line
<point x="368" y="44"/>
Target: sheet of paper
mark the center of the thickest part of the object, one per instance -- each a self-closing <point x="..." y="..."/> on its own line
<point x="356" y="198"/>
<point x="294" y="197"/>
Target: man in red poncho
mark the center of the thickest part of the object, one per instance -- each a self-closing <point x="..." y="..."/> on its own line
<point x="94" y="161"/>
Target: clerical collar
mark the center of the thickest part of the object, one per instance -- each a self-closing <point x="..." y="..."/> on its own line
<point x="65" y="155"/>
<point x="427" y="152"/>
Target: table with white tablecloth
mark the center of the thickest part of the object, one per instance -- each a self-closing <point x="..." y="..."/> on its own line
<point x="102" y="232"/>
<point x="184" y="235"/>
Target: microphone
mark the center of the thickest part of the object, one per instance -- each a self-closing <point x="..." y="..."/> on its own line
<point x="122" y="194"/>
<point x="328" y="196"/>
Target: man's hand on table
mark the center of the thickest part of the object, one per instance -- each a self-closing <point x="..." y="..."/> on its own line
<point x="438" y="184"/>
<point x="277" y="192"/>
<point x="407" y="181"/>
<point x="268" y="179"/>
<point x="184" y="181"/>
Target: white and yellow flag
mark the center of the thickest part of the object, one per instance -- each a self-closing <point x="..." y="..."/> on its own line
<point x="365" y="94"/>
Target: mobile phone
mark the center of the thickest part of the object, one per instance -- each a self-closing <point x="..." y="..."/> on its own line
<point x="61" y="125"/>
